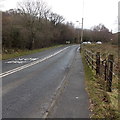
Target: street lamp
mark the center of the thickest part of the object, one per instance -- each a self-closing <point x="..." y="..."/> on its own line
<point x="81" y="31"/>
<point x="78" y="33"/>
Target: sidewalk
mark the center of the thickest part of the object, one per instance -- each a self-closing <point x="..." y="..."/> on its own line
<point x="73" y="102"/>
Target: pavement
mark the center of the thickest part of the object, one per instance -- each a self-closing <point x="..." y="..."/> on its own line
<point x="73" y="101"/>
<point x="45" y="84"/>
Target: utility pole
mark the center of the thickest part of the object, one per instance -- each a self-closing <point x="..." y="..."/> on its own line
<point x="78" y="36"/>
<point x="82" y="32"/>
<point x="81" y="36"/>
<point x="78" y="33"/>
<point x="82" y="29"/>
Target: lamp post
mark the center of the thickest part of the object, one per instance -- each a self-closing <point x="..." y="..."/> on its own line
<point x="78" y="33"/>
<point x="81" y="33"/>
<point x="81" y="36"/>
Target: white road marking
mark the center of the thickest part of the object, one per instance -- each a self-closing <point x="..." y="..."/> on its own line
<point x="78" y="49"/>
<point x="16" y="62"/>
<point x="30" y="64"/>
<point x="76" y="97"/>
<point x="21" y="60"/>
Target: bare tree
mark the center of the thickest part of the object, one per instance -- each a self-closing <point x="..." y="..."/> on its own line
<point x="36" y="8"/>
<point x="33" y="10"/>
<point x="56" y="19"/>
<point x="101" y="33"/>
<point x="33" y="26"/>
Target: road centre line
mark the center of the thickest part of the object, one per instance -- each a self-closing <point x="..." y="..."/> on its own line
<point x="30" y="64"/>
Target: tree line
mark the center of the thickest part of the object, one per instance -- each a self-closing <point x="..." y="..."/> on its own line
<point x="33" y="25"/>
<point x="97" y="33"/>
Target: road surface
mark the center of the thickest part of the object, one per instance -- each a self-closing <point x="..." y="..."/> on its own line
<point x="31" y="84"/>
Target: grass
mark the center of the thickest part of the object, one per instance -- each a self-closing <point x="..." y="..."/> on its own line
<point x="104" y="49"/>
<point x="13" y="54"/>
<point x="102" y="104"/>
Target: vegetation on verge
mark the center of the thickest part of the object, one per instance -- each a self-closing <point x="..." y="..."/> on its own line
<point x="16" y="53"/>
<point x="32" y="25"/>
<point x="102" y="104"/>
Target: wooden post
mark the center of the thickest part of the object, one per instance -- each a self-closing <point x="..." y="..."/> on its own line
<point x="105" y="70"/>
<point x="85" y="54"/>
<point x="80" y="47"/>
<point x="92" y="61"/>
<point x="98" y="63"/>
<point x="110" y="73"/>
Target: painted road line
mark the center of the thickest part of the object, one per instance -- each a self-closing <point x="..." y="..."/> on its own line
<point x="78" y="49"/>
<point x="30" y="64"/>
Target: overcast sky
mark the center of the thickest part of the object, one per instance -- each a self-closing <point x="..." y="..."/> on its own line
<point x="95" y="11"/>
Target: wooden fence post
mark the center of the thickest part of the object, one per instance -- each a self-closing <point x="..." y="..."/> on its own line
<point x="92" y="61"/>
<point x="106" y="70"/>
<point x="110" y="73"/>
<point x="98" y="63"/>
<point x="80" y="48"/>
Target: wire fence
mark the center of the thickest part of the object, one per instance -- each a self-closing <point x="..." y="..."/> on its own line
<point x="106" y="68"/>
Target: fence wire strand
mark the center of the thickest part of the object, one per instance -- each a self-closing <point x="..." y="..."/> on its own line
<point x="107" y="67"/>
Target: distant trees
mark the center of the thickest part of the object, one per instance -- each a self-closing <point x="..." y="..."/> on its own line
<point x="115" y="38"/>
<point x="97" y="33"/>
<point x="101" y="33"/>
<point x="33" y="25"/>
<point x="56" y="19"/>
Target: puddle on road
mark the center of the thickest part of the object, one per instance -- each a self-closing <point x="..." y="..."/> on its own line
<point x="21" y="60"/>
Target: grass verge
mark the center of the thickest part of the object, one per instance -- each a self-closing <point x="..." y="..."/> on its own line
<point x="102" y="103"/>
<point x="18" y="53"/>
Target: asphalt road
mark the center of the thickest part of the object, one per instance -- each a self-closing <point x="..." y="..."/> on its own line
<point x="31" y="83"/>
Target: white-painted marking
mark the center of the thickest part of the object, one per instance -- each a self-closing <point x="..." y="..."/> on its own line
<point x="76" y="97"/>
<point x="21" y="60"/>
<point x="30" y="64"/>
<point x="78" y="49"/>
<point x="15" y="62"/>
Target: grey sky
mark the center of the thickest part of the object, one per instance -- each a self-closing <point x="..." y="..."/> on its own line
<point x="95" y="11"/>
<point x="119" y="17"/>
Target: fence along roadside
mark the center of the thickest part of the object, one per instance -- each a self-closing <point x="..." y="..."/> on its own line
<point x="104" y="68"/>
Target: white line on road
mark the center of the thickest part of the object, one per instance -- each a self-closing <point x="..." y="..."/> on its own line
<point x="78" y="49"/>
<point x="30" y="64"/>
